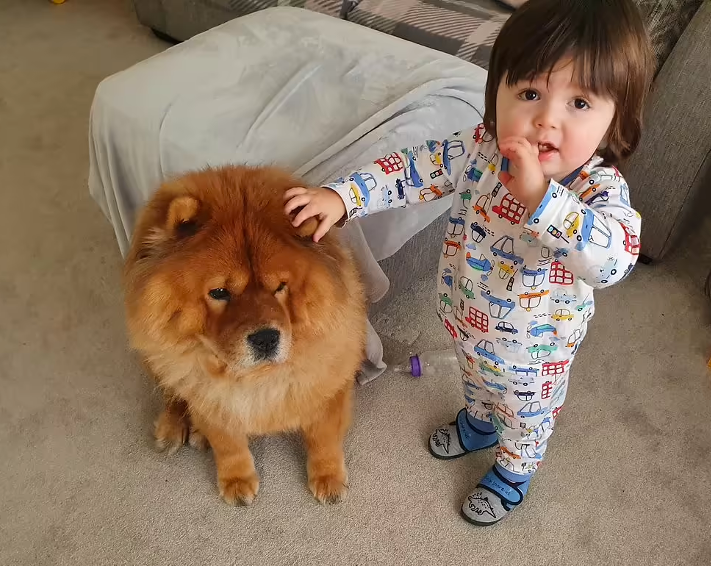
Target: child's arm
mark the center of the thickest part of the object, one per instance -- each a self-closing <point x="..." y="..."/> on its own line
<point x="409" y="176"/>
<point x="413" y="175"/>
<point x="591" y="228"/>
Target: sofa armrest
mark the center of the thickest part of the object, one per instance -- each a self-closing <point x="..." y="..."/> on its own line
<point x="671" y="164"/>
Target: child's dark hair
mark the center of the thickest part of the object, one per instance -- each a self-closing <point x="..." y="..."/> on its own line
<point x="609" y="46"/>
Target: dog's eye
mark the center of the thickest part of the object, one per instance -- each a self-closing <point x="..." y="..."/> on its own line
<point x="220" y="294"/>
<point x="282" y="287"/>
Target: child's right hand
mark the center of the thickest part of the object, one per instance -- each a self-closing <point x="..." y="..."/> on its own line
<point x="320" y="202"/>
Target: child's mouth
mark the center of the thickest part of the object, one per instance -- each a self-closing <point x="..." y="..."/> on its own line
<point x="546" y="151"/>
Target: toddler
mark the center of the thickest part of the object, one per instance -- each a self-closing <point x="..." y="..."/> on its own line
<point x="540" y="217"/>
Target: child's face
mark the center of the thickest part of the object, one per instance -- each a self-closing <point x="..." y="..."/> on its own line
<point x="566" y="123"/>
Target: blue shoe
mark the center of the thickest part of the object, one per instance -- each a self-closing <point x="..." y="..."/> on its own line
<point x="496" y="495"/>
<point x="462" y="436"/>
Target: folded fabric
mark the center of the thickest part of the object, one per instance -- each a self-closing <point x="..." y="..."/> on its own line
<point x="289" y="87"/>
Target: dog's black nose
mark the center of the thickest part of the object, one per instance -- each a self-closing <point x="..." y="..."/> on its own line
<point x="264" y="342"/>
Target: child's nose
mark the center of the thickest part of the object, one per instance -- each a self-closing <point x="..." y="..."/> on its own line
<point x="547" y="118"/>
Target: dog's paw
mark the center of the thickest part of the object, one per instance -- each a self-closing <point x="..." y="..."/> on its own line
<point x="239" y="491"/>
<point x="171" y="432"/>
<point x="197" y="440"/>
<point x="329" y="488"/>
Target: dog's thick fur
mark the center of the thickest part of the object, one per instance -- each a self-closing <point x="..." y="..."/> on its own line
<point x="214" y="267"/>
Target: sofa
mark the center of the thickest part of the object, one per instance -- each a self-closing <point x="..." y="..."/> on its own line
<point x="668" y="175"/>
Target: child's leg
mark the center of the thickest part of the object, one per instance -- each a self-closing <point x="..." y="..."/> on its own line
<point x="524" y="420"/>
<point x="472" y="429"/>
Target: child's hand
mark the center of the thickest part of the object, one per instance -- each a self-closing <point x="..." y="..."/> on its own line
<point x="321" y="202"/>
<point x="525" y="179"/>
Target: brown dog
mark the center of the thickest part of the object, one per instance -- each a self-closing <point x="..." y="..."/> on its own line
<point x="249" y="327"/>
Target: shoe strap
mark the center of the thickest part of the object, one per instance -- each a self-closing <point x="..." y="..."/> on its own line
<point x="466" y="433"/>
<point x="500" y="486"/>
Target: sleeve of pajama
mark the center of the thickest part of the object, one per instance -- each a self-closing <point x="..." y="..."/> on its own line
<point x="410" y="176"/>
<point x="591" y="226"/>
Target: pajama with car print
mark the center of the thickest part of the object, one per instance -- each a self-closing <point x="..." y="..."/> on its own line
<point x="515" y="290"/>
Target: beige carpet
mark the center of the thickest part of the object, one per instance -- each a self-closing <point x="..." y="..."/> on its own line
<point x="626" y="480"/>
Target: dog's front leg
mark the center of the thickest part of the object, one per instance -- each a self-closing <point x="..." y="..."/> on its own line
<point x="326" y="469"/>
<point x="172" y="426"/>
<point x="237" y="478"/>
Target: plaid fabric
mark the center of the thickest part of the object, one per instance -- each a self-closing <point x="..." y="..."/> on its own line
<point x="242" y="7"/>
<point x="464" y="28"/>
<point x="468" y="28"/>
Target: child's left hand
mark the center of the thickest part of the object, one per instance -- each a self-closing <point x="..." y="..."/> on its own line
<point x="525" y="179"/>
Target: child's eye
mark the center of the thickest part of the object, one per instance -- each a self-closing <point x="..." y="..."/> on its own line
<point x="581" y="104"/>
<point x="529" y="95"/>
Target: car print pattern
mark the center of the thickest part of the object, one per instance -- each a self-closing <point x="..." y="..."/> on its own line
<point x="515" y="290"/>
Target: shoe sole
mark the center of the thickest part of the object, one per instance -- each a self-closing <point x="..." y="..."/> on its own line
<point x="477" y="523"/>
<point x="439" y="457"/>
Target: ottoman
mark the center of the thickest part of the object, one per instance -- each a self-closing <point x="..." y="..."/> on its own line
<point x="293" y="88"/>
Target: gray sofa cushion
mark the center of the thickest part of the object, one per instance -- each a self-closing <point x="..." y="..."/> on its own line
<point x="182" y="19"/>
<point x="670" y="169"/>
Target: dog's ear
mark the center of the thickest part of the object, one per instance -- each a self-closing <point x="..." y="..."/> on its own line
<point x="182" y="216"/>
<point x="166" y="219"/>
<point x="180" y="220"/>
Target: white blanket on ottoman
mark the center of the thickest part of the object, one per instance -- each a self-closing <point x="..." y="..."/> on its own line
<point x="313" y="94"/>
